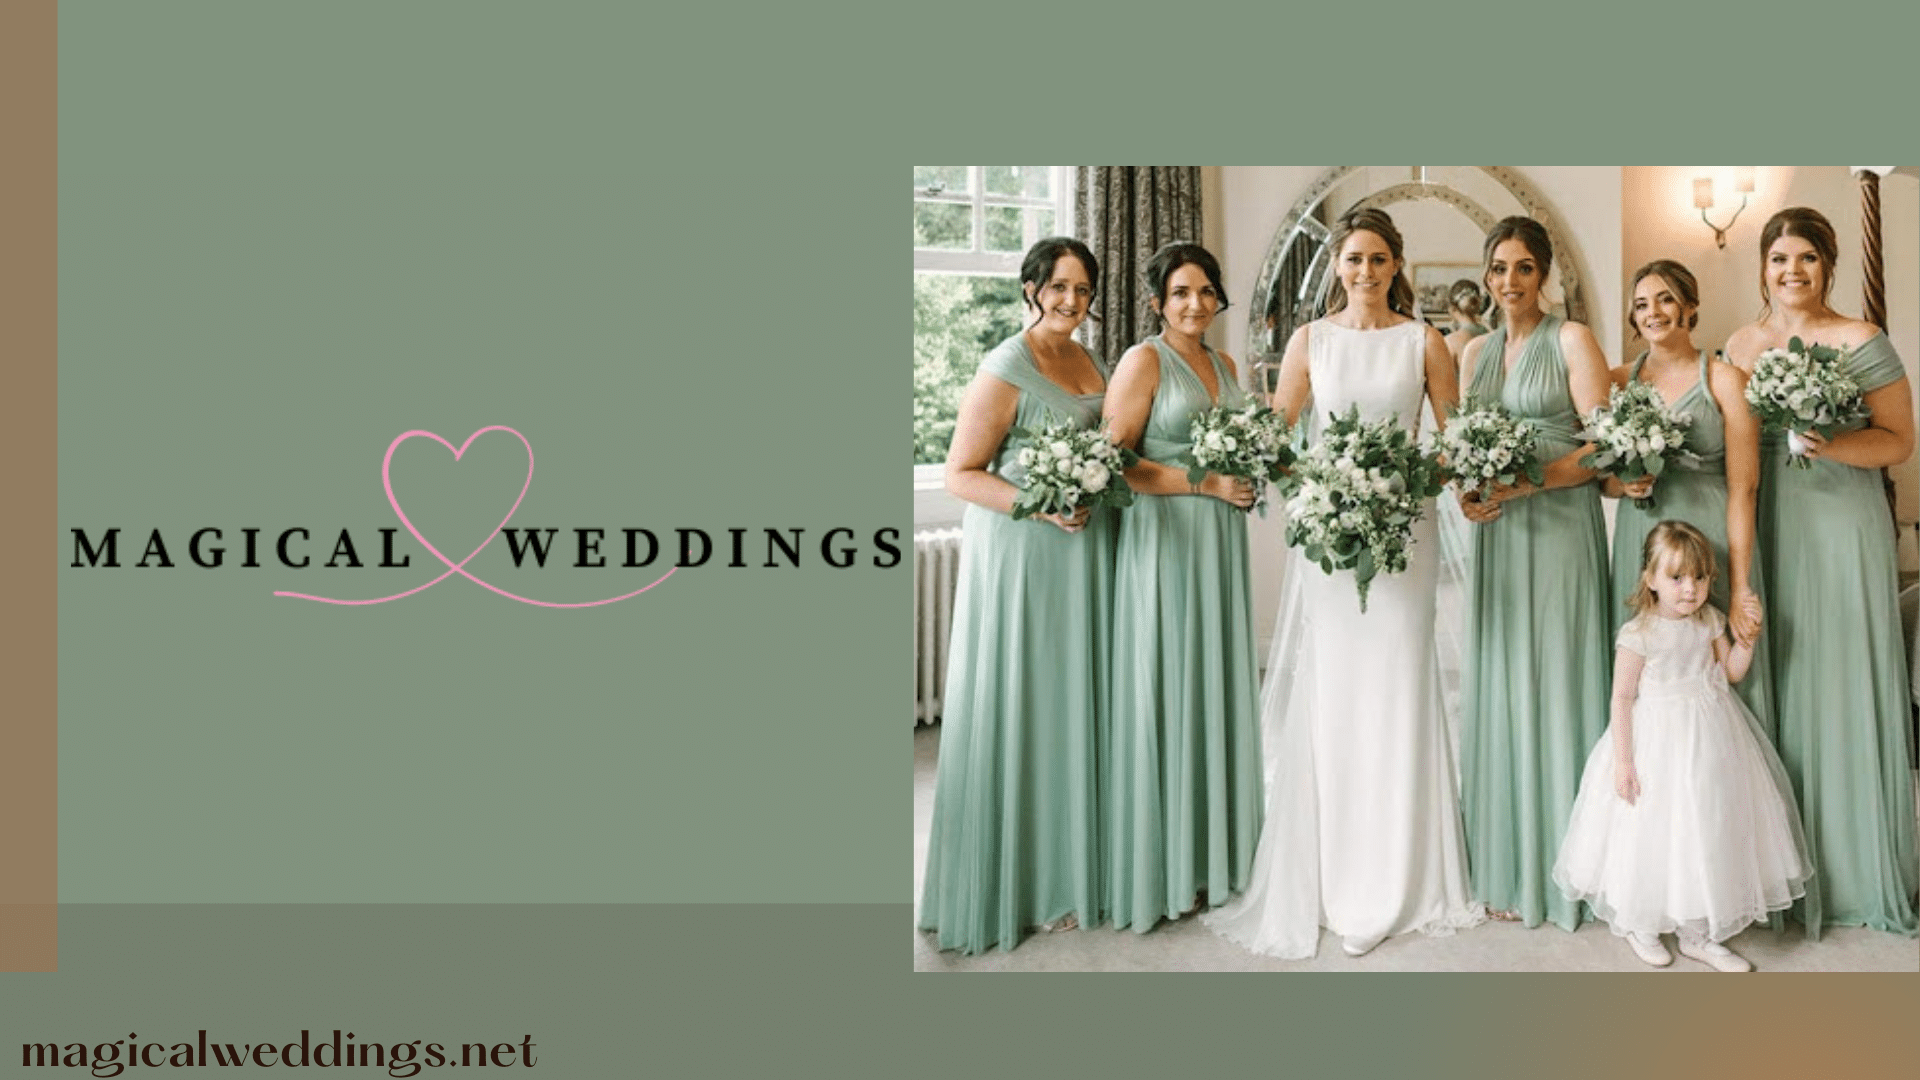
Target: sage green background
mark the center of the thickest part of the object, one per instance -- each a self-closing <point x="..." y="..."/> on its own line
<point x="289" y="235"/>
<point x="669" y="247"/>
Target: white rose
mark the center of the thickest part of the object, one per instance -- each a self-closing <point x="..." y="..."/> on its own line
<point x="1658" y="441"/>
<point x="1230" y="443"/>
<point x="1061" y="450"/>
<point x="1093" y="476"/>
<point x="1026" y="457"/>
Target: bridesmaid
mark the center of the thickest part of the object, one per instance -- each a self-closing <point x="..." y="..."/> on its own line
<point x="1714" y="494"/>
<point x="1015" y="841"/>
<point x="1539" y="651"/>
<point x="1465" y="302"/>
<point x="1183" y="768"/>
<point x="1840" y="669"/>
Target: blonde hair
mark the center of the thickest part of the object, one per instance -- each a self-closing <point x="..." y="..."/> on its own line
<point x="1680" y="282"/>
<point x="1671" y="542"/>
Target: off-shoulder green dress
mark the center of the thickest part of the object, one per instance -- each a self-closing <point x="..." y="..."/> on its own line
<point x="1015" y="840"/>
<point x="1840" y="675"/>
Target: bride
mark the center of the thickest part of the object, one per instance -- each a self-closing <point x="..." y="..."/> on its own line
<point x="1362" y="830"/>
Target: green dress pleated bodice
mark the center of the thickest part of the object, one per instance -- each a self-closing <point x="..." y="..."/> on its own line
<point x="1840" y="675"/>
<point x="1538" y="658"/>
<point x="1015" y="840"/>
<point x="1183" y="764"/>
<point x="1695" y="492"/>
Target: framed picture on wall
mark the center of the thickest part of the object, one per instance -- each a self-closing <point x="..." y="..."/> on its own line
<point x="1431" y="282"/>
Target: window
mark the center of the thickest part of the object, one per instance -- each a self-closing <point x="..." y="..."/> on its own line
<point x="971" y="225"/>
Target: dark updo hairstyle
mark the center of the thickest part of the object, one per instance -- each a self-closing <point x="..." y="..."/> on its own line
<point x="1172" y="257"/>
<point x="1400" y="293"/>
<point x="1528" y="232"/>
<point x="1037" y="268"/>
<point x="1679" y="279"/>
<point x="1467" y="297"/>
<point x="1810" y="225"/>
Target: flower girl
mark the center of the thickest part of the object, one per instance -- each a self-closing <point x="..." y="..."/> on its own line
<point x="1685" y="822"/>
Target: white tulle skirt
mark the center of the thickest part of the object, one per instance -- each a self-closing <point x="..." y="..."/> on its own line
<point x="1713" y="843"/>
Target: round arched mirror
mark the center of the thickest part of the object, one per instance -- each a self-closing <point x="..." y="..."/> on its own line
<point x="1443" y="213"/>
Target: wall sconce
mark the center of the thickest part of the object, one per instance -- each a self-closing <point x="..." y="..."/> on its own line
<point x="1703" y="199"/>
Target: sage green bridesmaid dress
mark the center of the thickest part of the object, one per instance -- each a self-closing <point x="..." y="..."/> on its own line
<point x="1015" y="840"/>
<point x="1696" y="493"/>
<point x="1539" y="650"/>
<point x="1183" y="765"/>
<point x="1840" y="676"/>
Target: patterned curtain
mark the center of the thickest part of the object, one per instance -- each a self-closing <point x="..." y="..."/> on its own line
<point x="1125" y="213"/>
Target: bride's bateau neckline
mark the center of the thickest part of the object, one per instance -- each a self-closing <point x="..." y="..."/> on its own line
<point x="1371" y="329"/>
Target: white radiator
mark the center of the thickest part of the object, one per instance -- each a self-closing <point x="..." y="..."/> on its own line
<point x="936" y="565"/>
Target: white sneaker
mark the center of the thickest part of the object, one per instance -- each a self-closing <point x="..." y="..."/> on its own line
<point x="1715" y="955"/>
<point x="1649" y="949"/>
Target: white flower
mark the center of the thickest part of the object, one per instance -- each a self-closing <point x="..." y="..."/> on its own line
<point x="1093" y="476"/>
<point x="1657" y="441"/>
<point x="1061" y="450"/>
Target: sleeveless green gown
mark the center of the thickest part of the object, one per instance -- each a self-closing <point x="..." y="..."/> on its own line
<point x="1539" y="654"/>
<point x="1015" y="839"/>
<point x="1695" y="493"/>
<point x="1840" y="675"/>
<point x="1184" y="765"/>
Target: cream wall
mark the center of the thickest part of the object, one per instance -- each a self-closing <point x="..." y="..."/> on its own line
<point x="1244" y="204"/>
<point x="1661" y="222"/>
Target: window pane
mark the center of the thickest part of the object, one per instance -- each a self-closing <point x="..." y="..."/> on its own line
<point x="1033" y="181"/>
<point x="956" y="320"/>
<point x="1011" y="228"/>
<point x="951" y="178"/>
<point x="948" y="226"/>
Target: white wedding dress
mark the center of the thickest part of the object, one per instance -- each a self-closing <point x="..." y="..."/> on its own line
<point x="1362" y="832"/>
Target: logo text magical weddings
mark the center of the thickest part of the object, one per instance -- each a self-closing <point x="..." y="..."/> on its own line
<point x="838" y="547"/>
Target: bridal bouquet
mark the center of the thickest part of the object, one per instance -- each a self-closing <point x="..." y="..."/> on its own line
<point x="1354" y="495"/>
<point x="1634" y="435"/>
<point x="1068" y="467"/>
<point x="1804" y="388"/>
<point x="1484" y="444"/>
<point x="1249" y="442"/>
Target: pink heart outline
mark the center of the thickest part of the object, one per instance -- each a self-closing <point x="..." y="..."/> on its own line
<point x="386" y="480"/>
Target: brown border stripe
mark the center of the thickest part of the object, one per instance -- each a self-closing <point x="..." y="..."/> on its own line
<point x="29" y="889"/>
